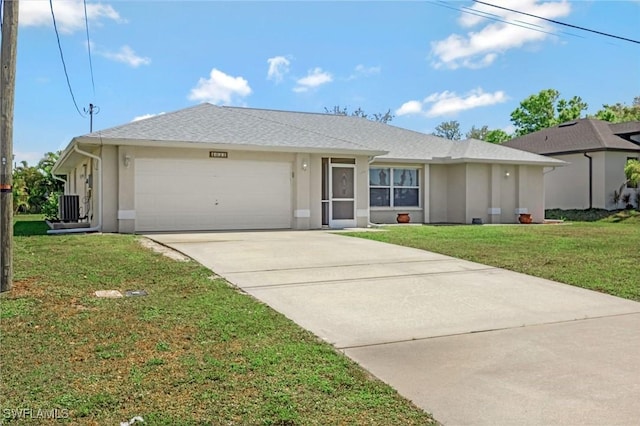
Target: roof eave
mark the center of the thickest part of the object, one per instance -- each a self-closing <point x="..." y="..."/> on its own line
<point x="227" y="147"/>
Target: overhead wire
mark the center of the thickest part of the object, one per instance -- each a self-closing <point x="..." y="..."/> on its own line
<point x="494" y="17"/>
<point x="64" y="65"/>
<point x="560" y="23"/>
<point x="86" y="22"/>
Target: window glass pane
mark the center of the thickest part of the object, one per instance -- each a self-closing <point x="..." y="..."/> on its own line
<point x="406" y="197"/>
<point x="342" y="182"/>
<point x="379" y="177"/>
<point x="405" y="177"/>
<point x="342" y="210"/>
<point x="379" y="197"/>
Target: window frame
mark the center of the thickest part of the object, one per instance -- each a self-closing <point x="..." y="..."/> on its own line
<point x="392" y="187"/>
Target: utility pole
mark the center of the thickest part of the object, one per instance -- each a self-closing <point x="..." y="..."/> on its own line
<point x="7" y="95"/>
<point x="93" y="109"/>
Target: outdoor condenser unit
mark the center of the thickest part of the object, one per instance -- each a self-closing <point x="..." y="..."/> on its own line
<point x="69" y="208"/>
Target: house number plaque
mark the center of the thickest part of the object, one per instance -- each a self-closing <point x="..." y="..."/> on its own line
<point x="218" y="154"/>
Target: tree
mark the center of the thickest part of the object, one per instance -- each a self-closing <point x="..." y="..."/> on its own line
<point x="478" y="133"/>
<point x="379" y="117"/>
<point x="35" y="184"/>
<point x="620" y="113"/>
<point x="632" y="171"/>
<point x="497" y="136"/>
<point x="449" y="130"/>
<point x="545" y="109"/>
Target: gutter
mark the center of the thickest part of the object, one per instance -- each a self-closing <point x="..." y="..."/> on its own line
<point x="590" y="179"/>
<point x="98" y="227"/>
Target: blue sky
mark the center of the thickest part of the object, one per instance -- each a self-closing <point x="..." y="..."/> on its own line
<point x="427" y="61"/>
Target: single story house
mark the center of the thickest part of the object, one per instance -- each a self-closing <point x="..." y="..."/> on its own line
<point x="217" y="168"/>
<point x="597" y="152"/>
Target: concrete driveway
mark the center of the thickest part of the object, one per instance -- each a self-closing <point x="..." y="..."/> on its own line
<point x="470" y="343"/>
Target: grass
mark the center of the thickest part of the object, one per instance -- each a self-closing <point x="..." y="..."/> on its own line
<point x="602" y="256"/>
<point x="194" y="351"/>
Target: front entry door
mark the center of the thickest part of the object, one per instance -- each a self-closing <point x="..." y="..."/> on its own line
<point x="342" y="201"/>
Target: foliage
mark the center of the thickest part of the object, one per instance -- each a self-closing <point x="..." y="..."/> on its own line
<point x="483" y="133"/>
<point x="449" y="130"/>
<point x="545" y="109"/>
<point x="497" y="136"/>
<point x="34" y="184"/>
<point x="479" y="133"/>
<point x="50" y="206"/>
<point x="632" y="172"/>
<point x="379" y="117"/>
<point x="195" y="351"/>
<point x="615" y="197"/>
<point x="620" y="113"/>
<point x="577" y="215"/>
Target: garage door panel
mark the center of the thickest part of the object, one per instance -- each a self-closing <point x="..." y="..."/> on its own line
<point x="175" y="195"/>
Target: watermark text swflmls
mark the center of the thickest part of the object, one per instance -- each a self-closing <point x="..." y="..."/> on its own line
<point x="35" y="413"/>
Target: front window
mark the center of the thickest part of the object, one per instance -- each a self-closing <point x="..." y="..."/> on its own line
<point x="394" y="187"/>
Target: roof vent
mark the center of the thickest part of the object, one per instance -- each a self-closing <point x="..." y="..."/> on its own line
<point x="571" y="123"/>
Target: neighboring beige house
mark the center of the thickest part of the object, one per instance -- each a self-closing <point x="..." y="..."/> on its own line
<point x="215" y="168"/>
<point x="597" y="152"/>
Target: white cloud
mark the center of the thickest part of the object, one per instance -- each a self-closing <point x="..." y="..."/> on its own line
<point x="315" y="78"/>
<point x="449" y="103"/>
<point x="220" y="88"/>
<point x="480" y="48"/>
<point x="410" y="107"/>
<point x="145" y="116"/>
<point x="278" y="67"/>
<point x="364" y="71"/>
<point x="126" y="55"/>
<point x="69" y="14"/>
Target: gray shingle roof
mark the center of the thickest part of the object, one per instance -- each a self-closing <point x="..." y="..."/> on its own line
<point x="581" y="135"/>
<point x="246" y="127"/>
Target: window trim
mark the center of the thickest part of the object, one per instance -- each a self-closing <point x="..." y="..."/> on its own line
<point x="392" y="187"/>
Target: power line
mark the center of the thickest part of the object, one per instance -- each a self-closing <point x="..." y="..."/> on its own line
<point x="490" y="16"/>
<point x="64" y="65"/>
<point x="497" y="18"/>
<point x="86" y="22"/>
<point x="560" y="23"/>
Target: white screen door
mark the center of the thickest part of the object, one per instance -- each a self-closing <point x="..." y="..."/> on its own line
<point x="342" y="201"/>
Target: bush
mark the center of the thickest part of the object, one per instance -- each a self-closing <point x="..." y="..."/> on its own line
<point x="50" y="206"/>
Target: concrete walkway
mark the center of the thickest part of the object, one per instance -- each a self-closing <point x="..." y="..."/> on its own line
<point x="470" y="343"/>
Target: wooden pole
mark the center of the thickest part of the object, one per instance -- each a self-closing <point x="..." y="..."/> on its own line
<point x="7" y="93"/>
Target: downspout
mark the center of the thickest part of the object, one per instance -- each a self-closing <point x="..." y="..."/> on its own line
<point x="59" y="178"/>
<point x="590" y="179"/>
<point x="98" y="227"/>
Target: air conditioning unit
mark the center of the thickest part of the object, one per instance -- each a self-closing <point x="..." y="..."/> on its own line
<point x="69" y="208"/>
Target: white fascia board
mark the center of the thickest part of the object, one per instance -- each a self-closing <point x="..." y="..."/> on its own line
<point x="229" y="147"/>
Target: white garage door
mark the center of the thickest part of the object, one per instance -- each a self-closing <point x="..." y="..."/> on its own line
<point x="200" y="195"/>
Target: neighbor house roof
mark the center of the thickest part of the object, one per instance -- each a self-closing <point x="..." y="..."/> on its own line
<point x="247" y="128"/>
<point x="581" y="135"/>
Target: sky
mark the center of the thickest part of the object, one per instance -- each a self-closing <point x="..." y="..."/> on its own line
<point x="426" y="61"/>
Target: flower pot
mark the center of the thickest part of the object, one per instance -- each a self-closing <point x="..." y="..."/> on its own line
<point x="403" y="218"/>
<point x="525" y="218"/>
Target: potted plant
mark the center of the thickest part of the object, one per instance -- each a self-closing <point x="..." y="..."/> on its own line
<point x="525" y="218"/>
<point x="403" y="218"/>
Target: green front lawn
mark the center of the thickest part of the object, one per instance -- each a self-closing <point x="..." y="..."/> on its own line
<point x="602" y="256"/>
<point x="194" y="351"/>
